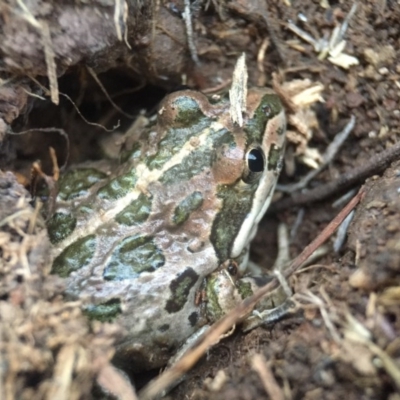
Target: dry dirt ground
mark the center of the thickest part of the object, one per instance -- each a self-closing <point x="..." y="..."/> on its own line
<point x="65" y="64"/>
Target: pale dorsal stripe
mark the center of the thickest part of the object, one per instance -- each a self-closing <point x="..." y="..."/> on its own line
<point x="145" y="177"/>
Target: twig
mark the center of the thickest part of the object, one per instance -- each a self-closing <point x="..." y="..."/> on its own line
<point x="44" y="30"/>
<point x="298" y="221"/>
<point x="313" y="299"/>
<point x="283" y="258"/>
<point x="326" y="233"/>
<point x="331" y="46"/>
<point x="120" y="20"/>
<point x="50" y="62"/>
<point x="47" y="92"/>
<point x="342" y="233"/>
<point x="218" y="87"/>
<point x="330" y="153"/>
<point x="103" y="89"/>
<point x="56" y="168"/>
<point x="376" y="164"/>
<point x="260" y="61"/>
<point x="33" y="94"/>
<point x="87" y="121"/>
<point x="187" y="16"/>
<point x="260" y="365"/>
<point x="115" y="383"/>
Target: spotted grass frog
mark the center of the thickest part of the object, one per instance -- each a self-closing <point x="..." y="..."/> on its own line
<point x="138" y="244"/>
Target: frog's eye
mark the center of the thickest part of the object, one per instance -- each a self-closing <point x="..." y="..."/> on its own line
<point x="255" y="164"/>
<point x="255" y="160"/>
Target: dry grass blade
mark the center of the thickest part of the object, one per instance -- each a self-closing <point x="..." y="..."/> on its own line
<point x="238" y="91"/>
<point x="376" y="164"/>
<point x="187" y="16"/>
<point x="110" y="379"/>
<point x="358" y="333"/>
<point x="44" y="29"/>
<point x="50" y="62"/>
<point x="120" y="20"/>
<point x="260" y="365"/>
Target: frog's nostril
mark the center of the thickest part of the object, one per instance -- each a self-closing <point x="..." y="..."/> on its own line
<point x="267" y="110"/>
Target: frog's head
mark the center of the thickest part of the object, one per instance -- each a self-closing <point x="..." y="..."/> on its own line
<point x="247" y="172"/>
<point x="234" y="168"/>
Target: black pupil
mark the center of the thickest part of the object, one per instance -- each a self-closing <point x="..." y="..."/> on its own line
<point x="255" y="160"/>
<point x="232" y="269"/>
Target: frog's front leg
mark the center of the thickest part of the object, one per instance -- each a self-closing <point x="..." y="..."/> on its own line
<point x="273" y="308"/>
<point x="225" y="289"/>
<point x="224" y="292"/>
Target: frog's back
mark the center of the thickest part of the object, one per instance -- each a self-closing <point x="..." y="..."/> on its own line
<point x="140" y="241"/>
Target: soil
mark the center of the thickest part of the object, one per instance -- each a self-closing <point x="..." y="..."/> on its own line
<point x="344" y="342"/>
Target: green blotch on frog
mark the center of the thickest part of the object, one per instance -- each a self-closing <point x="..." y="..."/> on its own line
<point x="77" y="183"/>
<point x="186" y="207"/>
<point x="135" y="213"/>
<point x="104" y="312"/>
<point x="189" y="112"/>
<point x="133" y="256"/>
<point x="180" y="288"/>
<point x="189" y="122"/>
<point x="119" y="186"/>
<point x="60" y="226"/>
<point x="75" y="256"/>
<point x="244" y="288"/>
<point x="194" y="318"/>
<point x="280" y="131"/>
<point x="214" y="310"/>
<point x="237" y="203"/>
<point x="198" y="160"/>
<point x="270" y="106"/>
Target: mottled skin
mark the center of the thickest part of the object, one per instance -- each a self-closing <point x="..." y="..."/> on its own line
<point x="137" y="244"/>
<point x="225" y="289"/>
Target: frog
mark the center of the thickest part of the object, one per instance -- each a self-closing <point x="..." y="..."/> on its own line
<point x="158" y="242"/>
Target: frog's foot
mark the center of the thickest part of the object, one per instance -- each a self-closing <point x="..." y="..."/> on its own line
<point x="271" y="316"/>
<point x="226" y="288"/>
<point x="279" y="304"/>
<point x="225" y="291"/>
